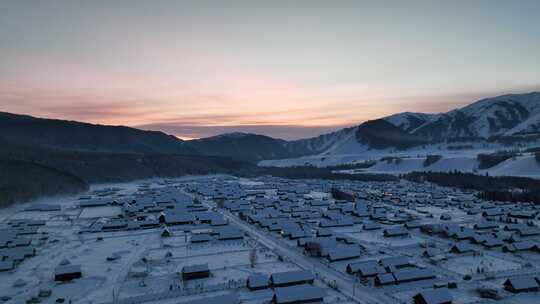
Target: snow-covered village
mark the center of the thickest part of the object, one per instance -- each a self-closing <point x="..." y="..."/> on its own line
<point x="222" y="239"/>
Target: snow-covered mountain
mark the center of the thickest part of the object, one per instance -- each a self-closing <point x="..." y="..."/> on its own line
<point x="488" y="119"/>
<point x="505" y="115"/>
<point x="410" y="121"/>
<point x="529" y="126"/>
<point x="324" y="142"/>
<point x="244" y="146"/>
<point x="254" y="147"/>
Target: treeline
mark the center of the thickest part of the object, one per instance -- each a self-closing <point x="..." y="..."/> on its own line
<point x="474" y="181"/>
<point x="36" y="171"/>
<point x="514" y="140"/>
<point x="361" y="165"/>
<point x="23" y="181"/>
<point x="511" y="196"/>
<point x="380" y="134"/>
<point x="460" y="147"/>
<point x="310" y="172"/>
<point x="492" y="159"/>
<point x="500" y="188"/>
<point x="101" y="167"/>
<point x="29" y="172"/>
<point x="534" y="149"/>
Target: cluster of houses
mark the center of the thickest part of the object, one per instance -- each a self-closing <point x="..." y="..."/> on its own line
<point x="169" y="209"/>
<point x="390" y="270"/>
<point x="290" y="287"/>
<point x="312" y="215"/>
<point x="285" y="208"/>
<point x="16" y="242"/>
<point x="509" y="237"/>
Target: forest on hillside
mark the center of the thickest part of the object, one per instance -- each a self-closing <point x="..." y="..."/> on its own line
<point x="26" y="181"/>
<point x="498" y="188"/>
<point x="310" y="172"/>
<point x="52" y="171"/>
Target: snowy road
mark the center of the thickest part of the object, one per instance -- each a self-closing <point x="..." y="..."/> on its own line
<point x="345" y="284"/>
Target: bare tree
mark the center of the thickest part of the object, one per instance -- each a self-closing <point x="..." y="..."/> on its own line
<point x="253" y="257"/>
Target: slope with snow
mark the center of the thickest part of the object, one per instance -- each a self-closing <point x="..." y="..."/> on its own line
<point x="405" y="165"/>
<point x="531" y="125"/>
<point x="410" y="121"/>
<point x="485" y="118"/>
<point x="323" y="142"/>
<point x="526" y="166"/>
<point x="459" y="135"/>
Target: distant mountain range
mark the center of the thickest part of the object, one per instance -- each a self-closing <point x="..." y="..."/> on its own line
<point x="79" y="136"/>
<point x="254" y="147"/>
<point x="41" y="157"/>
<point x="48" y="156"/>
<point x="506" y="116"/>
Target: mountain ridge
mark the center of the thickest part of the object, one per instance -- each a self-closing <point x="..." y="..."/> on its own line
<point x="498" y="116"/>
<point x="509" y="116"/>
<point x="485" y="118"/>
<point x="74" y="135"/>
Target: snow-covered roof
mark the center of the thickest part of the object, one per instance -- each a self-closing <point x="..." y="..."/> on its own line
<point x="291" y="277"/>
<point x="522" y="283"/>
<point x="298" y="294"/>
<point x="64" y="269"/>
<point x="435" y="296"/>
<point x="195" y="268"/>
<point x="257" y="280"/>
<point x="223" y="299"/>
<point x="407" y="275"/>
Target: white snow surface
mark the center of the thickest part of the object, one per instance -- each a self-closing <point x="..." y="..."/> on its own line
<point x="464" y="164"/>
<point x="525" y="166"/>
<point x="464" y="161"/>
<point x="528" y="126"/>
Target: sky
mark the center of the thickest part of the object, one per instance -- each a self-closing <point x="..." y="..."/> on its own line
<point x="287" y="69"/>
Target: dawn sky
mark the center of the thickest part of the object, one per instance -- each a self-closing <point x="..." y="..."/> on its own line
<point x="287" y="69"/>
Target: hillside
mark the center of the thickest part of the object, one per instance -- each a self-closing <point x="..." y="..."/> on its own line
<point x="505" y="115"/>
<point x="98" y="153"/>
<point x="380" y="134"/>
<point x="26" y="181"/>
<point x="321" y="143"/>
<point x="410" y="121"/>
<point x="504" y="122"/>
<point x="101" y="167"/>
<point x="254" y="147"/>
<point x="87" y="137"/>
<point x="249" y="147"/>
<point x="498" y="121"/>
<point x="28" y="172"/>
